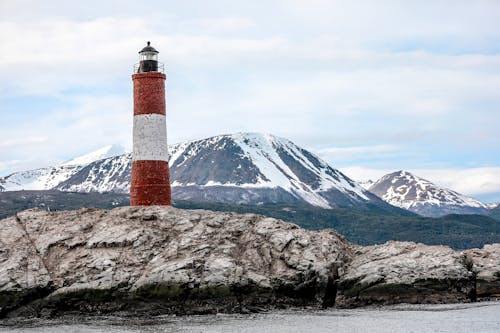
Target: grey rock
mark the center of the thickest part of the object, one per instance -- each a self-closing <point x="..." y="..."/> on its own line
<point x="164" y="254"/>
<point x="158" y="260"/>
<point x="486" y="265"/>
<point x="406" y="272"/>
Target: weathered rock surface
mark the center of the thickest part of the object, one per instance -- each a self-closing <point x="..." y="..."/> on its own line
<point x="486" y="266"/>
<point x="159" y="260"/>
<point x="179" y="260"/>
<point x="405" y="272"/>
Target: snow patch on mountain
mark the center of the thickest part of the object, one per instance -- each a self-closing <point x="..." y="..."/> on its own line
<point x="108" y="175"/>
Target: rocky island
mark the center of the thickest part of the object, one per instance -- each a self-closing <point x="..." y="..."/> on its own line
<point x="163" y="260"/>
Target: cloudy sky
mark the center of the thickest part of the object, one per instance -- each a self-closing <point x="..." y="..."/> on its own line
<point x="371" y="86"/>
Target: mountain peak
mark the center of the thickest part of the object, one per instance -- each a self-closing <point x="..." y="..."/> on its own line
<point x="259" y="161"/>
<point x="406" y="190"/>
<point x="99" y="154"/>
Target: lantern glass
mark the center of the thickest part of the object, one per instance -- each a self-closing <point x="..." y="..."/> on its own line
<point x="149" y="56"/>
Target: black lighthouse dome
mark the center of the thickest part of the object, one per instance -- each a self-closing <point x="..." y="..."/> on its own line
<point x="148" y="59"/>
<point x="148" y="49"/>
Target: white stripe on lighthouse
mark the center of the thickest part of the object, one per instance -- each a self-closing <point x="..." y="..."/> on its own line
<point x="150" y="137"/>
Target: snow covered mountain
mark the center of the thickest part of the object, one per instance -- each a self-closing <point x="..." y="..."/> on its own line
<point x="48" y="178"/>
<point x="420" y="196"/>
<point x="246" y="168"/>
<point x="37" y="179"/>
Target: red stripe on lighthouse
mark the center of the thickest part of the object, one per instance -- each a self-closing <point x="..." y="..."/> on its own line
<point x="150" y="183"/>
<point x="149" y="93"/>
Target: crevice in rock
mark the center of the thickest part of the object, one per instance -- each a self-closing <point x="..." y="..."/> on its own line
<point x="469" y="265"/>
<point x="33" y="245"/>
<point x="330" y="293"/>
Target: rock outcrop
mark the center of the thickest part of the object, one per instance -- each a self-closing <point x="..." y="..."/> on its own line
<point x="405" y="272"/>
<point x="486" y="267"/>
<point x="158" y="260"/>
<point x="164" y="260"/>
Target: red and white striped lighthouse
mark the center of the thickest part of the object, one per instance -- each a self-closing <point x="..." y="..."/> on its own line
<point x="150" y="181"/>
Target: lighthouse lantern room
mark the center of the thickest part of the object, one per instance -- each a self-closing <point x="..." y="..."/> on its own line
<point x="148" y="59"/>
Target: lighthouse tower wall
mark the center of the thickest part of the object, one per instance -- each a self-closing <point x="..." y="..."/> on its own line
<point x="150" y="180"/>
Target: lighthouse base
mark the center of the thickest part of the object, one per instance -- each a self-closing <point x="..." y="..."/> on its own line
<point x="150" y="184"/>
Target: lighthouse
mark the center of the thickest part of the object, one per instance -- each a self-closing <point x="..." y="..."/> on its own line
<point x="150" y="180"/>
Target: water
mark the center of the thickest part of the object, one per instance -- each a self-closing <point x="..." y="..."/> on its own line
<point x="477" y="317"/>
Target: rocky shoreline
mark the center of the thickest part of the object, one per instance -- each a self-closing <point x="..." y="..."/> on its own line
<point x="162" y="260"/>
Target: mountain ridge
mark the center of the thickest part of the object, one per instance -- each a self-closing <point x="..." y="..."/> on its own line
<point x="243" y="168"/>
<point x="246" y="168"/>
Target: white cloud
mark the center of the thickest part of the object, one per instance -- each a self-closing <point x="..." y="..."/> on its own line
<point x="8" y="165"/>
<point x="323" y="73"/>
<point x="364" y="174"/>
<point x="89" y="123"/>
<point x="217" y="25"/>
<point x="365" y="22"/>
<point x="59" y="53"/>
<point x="473" y="181"/>
<point x="8" y="143"/>
<point x="350" y="153"/>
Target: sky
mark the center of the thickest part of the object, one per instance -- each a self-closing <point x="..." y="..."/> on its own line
<point x="370" y="86"/>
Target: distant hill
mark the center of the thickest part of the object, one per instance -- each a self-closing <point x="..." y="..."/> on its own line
<point x="495" y="212"/>
<point x="406" y="190"/>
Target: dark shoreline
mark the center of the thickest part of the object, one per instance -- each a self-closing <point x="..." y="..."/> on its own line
<point x="130" y="320"/>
